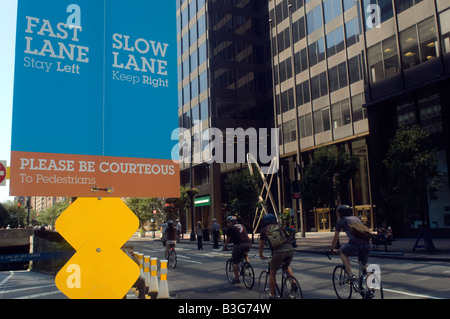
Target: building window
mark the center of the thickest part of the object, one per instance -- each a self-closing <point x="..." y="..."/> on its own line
<point x="204" y="112"/>
<point x="314" y="19"/>
<point x="322" y="120"/>
<point x="409" y="43"/>
<point x="319" y="86"/>
<point x="444" y="18"/>
<point x="298" y="29"/>
<point x="338" y="77"/>
<point x="340" y="112"/>
<point x="359" y="113"/>
<point x="352" y="31"/>
<point x="300" y="61"/>
<point x="428" y="40"/>
<point x="402" y="5"/>
<point x="316" y="52"/>
<point x="335" y="41"/>
<point x="430" y="111"/>
<point x="348" y="4"/>
<point x="303" y="93"/>
<point x="386" y="9"/>
<point x="332" y="9"/>
<point x="405" y="112"/>
<point x="355" y="69"/>
<point x="390" y="55"/>
<point x="305" y="125"/>
<point x="289" y="131"/>
<point x="383" y="58"/>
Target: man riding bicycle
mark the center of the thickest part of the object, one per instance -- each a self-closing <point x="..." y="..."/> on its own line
<point x="170" y="234"/>
<point x="282" y="255"/>
<point x="237" y="234"/>
<point x="355" y="246"/>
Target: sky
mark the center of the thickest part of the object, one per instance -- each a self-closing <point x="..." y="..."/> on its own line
<point x="8" y="17"/>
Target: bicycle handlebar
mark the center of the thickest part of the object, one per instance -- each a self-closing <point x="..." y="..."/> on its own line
<point x="329" y="252"/>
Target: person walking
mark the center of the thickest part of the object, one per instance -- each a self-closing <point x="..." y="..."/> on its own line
<point x="215" y="230"/>
<point x="199" y="231"/>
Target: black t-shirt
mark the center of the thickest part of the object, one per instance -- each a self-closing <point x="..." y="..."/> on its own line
<point x="238" y="234"/>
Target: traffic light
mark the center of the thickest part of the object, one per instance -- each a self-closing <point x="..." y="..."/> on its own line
<point x="20" y="201"/>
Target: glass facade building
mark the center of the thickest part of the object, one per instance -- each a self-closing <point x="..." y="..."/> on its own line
<point x="224" y="82"/>
<point x="325" y="72"/>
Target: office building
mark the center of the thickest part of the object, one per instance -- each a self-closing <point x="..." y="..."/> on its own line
<point x="224" y="82"/>
<point x="325" y="72"/>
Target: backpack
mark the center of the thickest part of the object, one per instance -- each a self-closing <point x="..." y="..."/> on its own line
<point x="275" y="236"/>
<point x="359" y="230"/>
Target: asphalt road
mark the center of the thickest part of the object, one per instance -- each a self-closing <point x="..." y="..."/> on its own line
<point x="200" y="274"/>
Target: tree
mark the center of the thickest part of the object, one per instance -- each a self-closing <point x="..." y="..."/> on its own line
<point x="51" y="214"/>
<point x="412" y="176"/>
<point x="243" y="194"/>
<point x="16" y="215"/>
<point x="143" y="208"/>
<point x="327" y="176"/>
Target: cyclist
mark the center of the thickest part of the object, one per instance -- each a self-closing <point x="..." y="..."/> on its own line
<point x="281" y="255"/>
<point x="170" y="234"/>
<point x="237" y="234"/>
<point x="355" y="246"/>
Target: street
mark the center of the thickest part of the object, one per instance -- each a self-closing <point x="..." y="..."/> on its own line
<point x="200" y="274"/>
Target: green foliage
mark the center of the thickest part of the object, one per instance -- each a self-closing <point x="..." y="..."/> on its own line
<point x="243" y="194"/>
<point x="411" y="170"/>
<point x="327" y="176"/>
<point x="11" y="214"/>
<point x="50" y="215"/>
<point x="144" y="207"/>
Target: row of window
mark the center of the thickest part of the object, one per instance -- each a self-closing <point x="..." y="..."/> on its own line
<point x="340" y="114"/>
<point x="316" y="50"/>
<point x="200" y="113"/>
<point x="322" y="84"/>
<point x="193" y="89"/>
<point x="418" y="44"/>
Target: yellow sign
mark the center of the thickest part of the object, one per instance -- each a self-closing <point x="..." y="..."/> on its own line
<point x="97" y="229"/>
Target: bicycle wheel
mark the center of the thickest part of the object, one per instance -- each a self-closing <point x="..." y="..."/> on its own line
<point x="342" y="288"/>
<point x="291" y="288"/>
<point x="248" y="275"/>
<point x="263" y="285"/>
<point x="172" y="258"/>
<point x="229" y="271"/>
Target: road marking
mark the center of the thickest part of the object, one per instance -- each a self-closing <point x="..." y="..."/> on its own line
<point x="40" y="295"/>
<point x="7" y="278"/>
<point x="411" y="294"/>
<point x="28" y="288"/>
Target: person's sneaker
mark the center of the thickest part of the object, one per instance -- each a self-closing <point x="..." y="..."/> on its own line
<point x="236" y="281"/>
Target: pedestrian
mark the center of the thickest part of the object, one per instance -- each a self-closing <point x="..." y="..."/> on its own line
<point x="215" y="230"/>
<point x="199" y="231"/>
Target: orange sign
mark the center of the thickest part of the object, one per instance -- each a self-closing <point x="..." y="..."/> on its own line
<point x="45" y="174"/>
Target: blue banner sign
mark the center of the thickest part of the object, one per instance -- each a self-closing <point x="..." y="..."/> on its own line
<point x="97" y="79"/>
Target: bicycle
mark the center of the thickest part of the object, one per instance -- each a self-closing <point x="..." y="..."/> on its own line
<point x="344" y="288"/>
<point x="172" y="256"/>
<point x="290" y="287"/>
<point x="245" y="270"/>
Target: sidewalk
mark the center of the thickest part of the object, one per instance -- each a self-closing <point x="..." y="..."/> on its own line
<point x="318" y="242"/>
